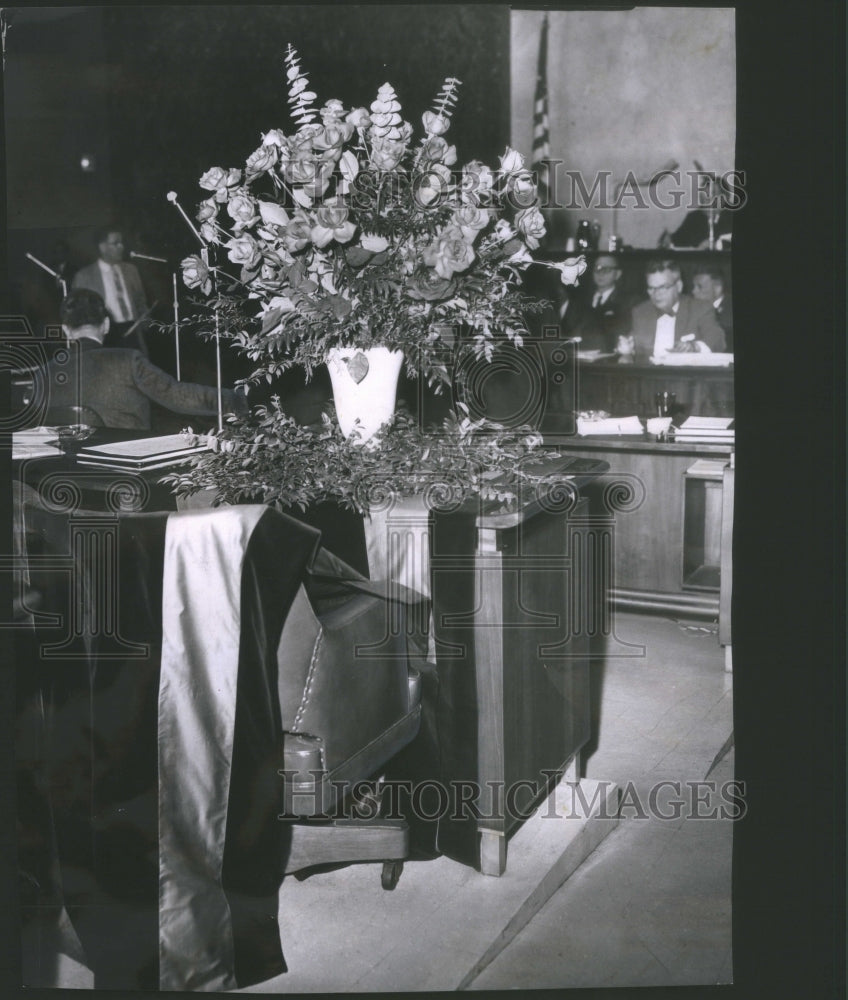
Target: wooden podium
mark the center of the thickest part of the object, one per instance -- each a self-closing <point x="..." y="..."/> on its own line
<point x="517" y="599"/>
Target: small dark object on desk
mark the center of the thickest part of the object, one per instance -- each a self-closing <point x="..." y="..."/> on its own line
<point x="70" y="436"/>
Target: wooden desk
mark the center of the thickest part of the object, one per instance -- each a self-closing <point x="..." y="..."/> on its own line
<point x="630" y="389"/>
<point x="644" y="492"/>
<point x="516" y="599"/>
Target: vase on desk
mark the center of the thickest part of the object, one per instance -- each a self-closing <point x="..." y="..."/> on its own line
<point x="364" y="388"/>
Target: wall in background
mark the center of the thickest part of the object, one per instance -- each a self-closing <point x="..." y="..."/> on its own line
<point x="630" y="91"/>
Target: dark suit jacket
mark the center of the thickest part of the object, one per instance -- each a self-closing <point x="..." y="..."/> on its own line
<point x="119" y="385"/>
<point x="724" y="315"/>
<point x="693" y="316"/>
<point x="90" y="277"/>
<point x="600" y="328"/>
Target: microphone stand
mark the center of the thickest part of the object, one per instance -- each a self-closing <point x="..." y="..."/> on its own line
<point x="177" y="325"/>
<point x="204" y="254"/>
<point x="54" y="274"/>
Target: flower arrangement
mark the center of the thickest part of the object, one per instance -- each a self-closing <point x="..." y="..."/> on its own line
<point x="350" y="232"/>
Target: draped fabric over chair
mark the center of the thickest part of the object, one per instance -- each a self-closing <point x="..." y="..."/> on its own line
<point x="164" y="740"/>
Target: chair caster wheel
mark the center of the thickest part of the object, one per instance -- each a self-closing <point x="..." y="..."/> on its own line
<point x="391" y="874"/>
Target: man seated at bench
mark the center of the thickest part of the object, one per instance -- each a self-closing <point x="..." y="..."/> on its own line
<point x="115" y="387"/>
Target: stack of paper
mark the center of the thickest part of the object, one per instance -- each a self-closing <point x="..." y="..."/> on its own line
<point x="36" y="442"/>
<point x="609" y="425"/>
<point x="143" y="454"/>
<point x="693" y="359"/>
<point x="706" y="430"/>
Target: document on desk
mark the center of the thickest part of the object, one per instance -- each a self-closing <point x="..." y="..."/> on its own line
<point x="144" y="453"/>
<point x="693" y="359"/>
<point x="609" y="425"/>
<point x="35" y="442"/>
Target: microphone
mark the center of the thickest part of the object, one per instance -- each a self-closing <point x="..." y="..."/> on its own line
<point x="145" y="256"/>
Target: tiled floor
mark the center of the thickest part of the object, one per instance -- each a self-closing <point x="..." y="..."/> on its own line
<point x="650" y="906"/>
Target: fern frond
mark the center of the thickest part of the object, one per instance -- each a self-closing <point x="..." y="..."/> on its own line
<point x="301" y="97"/>
<point x="447" y="97"/>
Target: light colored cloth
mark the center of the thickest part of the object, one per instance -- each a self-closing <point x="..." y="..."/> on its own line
<point x="116" y="295"/>
<point x="197" y="707"/>
<point x="664" y="337"/>
<point x="397" y="542"/>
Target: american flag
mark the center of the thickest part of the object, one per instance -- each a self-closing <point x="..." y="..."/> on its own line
<point x="541" y="131"/>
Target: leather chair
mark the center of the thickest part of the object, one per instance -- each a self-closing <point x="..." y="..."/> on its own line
<point x="350" y="700"/>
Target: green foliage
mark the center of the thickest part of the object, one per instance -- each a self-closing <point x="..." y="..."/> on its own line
<point x="272" y="459"/>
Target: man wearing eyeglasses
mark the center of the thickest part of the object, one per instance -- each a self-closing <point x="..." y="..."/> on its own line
<point x="670" y="321"/>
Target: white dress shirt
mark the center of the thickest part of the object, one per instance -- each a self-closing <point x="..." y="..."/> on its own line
<point x="664" y="337"/>
<point x="116" y="295"/>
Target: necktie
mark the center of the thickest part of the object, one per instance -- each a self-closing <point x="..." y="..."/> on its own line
<point x="121" y="295"/>
<point x="597" y="300"/>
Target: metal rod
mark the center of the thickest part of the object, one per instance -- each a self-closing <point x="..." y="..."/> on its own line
<point x="204" y="253"/>
<point x="177" y="325"/>
<point x="43" y="266"/>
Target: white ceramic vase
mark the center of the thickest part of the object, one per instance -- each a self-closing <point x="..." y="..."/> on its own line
<point x="364" y="387"/>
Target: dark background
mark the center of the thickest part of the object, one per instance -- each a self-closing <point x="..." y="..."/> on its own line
<point x="157" y="95"/>
<point x="789" y="292"/>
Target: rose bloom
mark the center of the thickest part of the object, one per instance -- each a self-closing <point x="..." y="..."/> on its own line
<point x="196" y="274"/>
<point x="330" y="142"/>
<point x="243" y="250"/>
<point x="437" y="149"/>
<point x="274" y="138"/>
<point x="209" y="232"/>
<point x="386" y="154"/>
<point x="532" y="225"/>
<point x="449" y="252"/>
<point x="261" y="160"/>
<point x="273" y="214"/>
<point x="477" y="181"/>
<point x="213" y="179"/>
<point x="321" y="179"/>
<point x="521" y="189"/>
<point x="242" y="209"/>
<point x="207" y="210"/>
<point x="570" y="269"/>
<point x="297" y="234"/>
<point x="434" y="124"/>
<point x="332" y="219"/>
<point x="471" y="220"/>
<point x="432" y="186"/>
<point x="332" y="214"/>
<point x="511" y="161"/>
<point x="333" y="111"/>
<point x="359" y="118"/>
<point x="426" y="284"/>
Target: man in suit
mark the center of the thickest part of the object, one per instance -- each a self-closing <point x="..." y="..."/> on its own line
<point x="708" y="286"/>
<point x="670" y="320"/>
<point x="606" y="316"/>
<point x="118" y="385"/>
<point x="118" y="283"/>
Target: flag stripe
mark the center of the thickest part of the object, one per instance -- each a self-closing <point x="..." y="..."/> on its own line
<point x="541" y="128"/>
